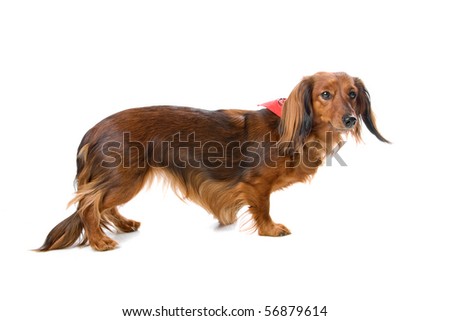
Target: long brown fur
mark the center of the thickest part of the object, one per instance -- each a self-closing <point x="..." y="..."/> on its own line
<point x="222" y="160"/>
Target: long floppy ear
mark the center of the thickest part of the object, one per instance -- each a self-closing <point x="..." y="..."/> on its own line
<point x="364" y="112"/>
<point x="297" y="117"/>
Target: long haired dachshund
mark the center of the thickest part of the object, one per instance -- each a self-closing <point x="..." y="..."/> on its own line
<point x="222" y="160"/>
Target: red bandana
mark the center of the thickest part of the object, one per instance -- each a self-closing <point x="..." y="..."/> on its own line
<point x="275" y="106"/>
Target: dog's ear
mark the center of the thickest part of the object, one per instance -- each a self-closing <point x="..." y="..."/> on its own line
<point x="297" y="117"/>
<point x="364" y="111"/>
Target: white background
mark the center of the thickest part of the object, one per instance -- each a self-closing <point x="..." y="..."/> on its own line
<point x="370" y="240"/>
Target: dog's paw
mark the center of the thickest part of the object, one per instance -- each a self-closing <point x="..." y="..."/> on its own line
<point x="103" y="244"/>
<point x="129" y="226"/>
<point x="274" y="229"/>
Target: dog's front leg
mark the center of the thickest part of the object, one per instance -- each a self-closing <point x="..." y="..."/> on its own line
<point x="260" y="210"/>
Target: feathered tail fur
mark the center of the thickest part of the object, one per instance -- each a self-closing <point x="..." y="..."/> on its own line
<point x="64" y="234"/>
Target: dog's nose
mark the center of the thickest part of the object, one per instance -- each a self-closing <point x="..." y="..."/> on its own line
<point x="349" y="121"/>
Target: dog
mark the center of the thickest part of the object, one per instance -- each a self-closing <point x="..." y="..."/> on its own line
<point x="222" y="160"/>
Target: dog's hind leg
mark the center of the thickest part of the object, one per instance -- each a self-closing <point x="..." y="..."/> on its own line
<point x="91" y="218"/>
<point x="97" y="208"/>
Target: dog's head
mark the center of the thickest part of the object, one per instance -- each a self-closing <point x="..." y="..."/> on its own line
<point x="332" y="102"/>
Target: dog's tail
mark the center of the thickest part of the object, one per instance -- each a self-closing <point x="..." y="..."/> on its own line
<point x="70" y="230"/>
<point x="64" y="234"/>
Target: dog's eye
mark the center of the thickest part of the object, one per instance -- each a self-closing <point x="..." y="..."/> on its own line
<point x="325" y="95"/>
<point x="352" y="95"/>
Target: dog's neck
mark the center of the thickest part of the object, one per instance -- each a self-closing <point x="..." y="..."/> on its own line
<point x="316" y="148"/>
<point x="323" y="143"/>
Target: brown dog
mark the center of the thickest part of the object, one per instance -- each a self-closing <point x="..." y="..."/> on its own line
<point x="221" y="160"/>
